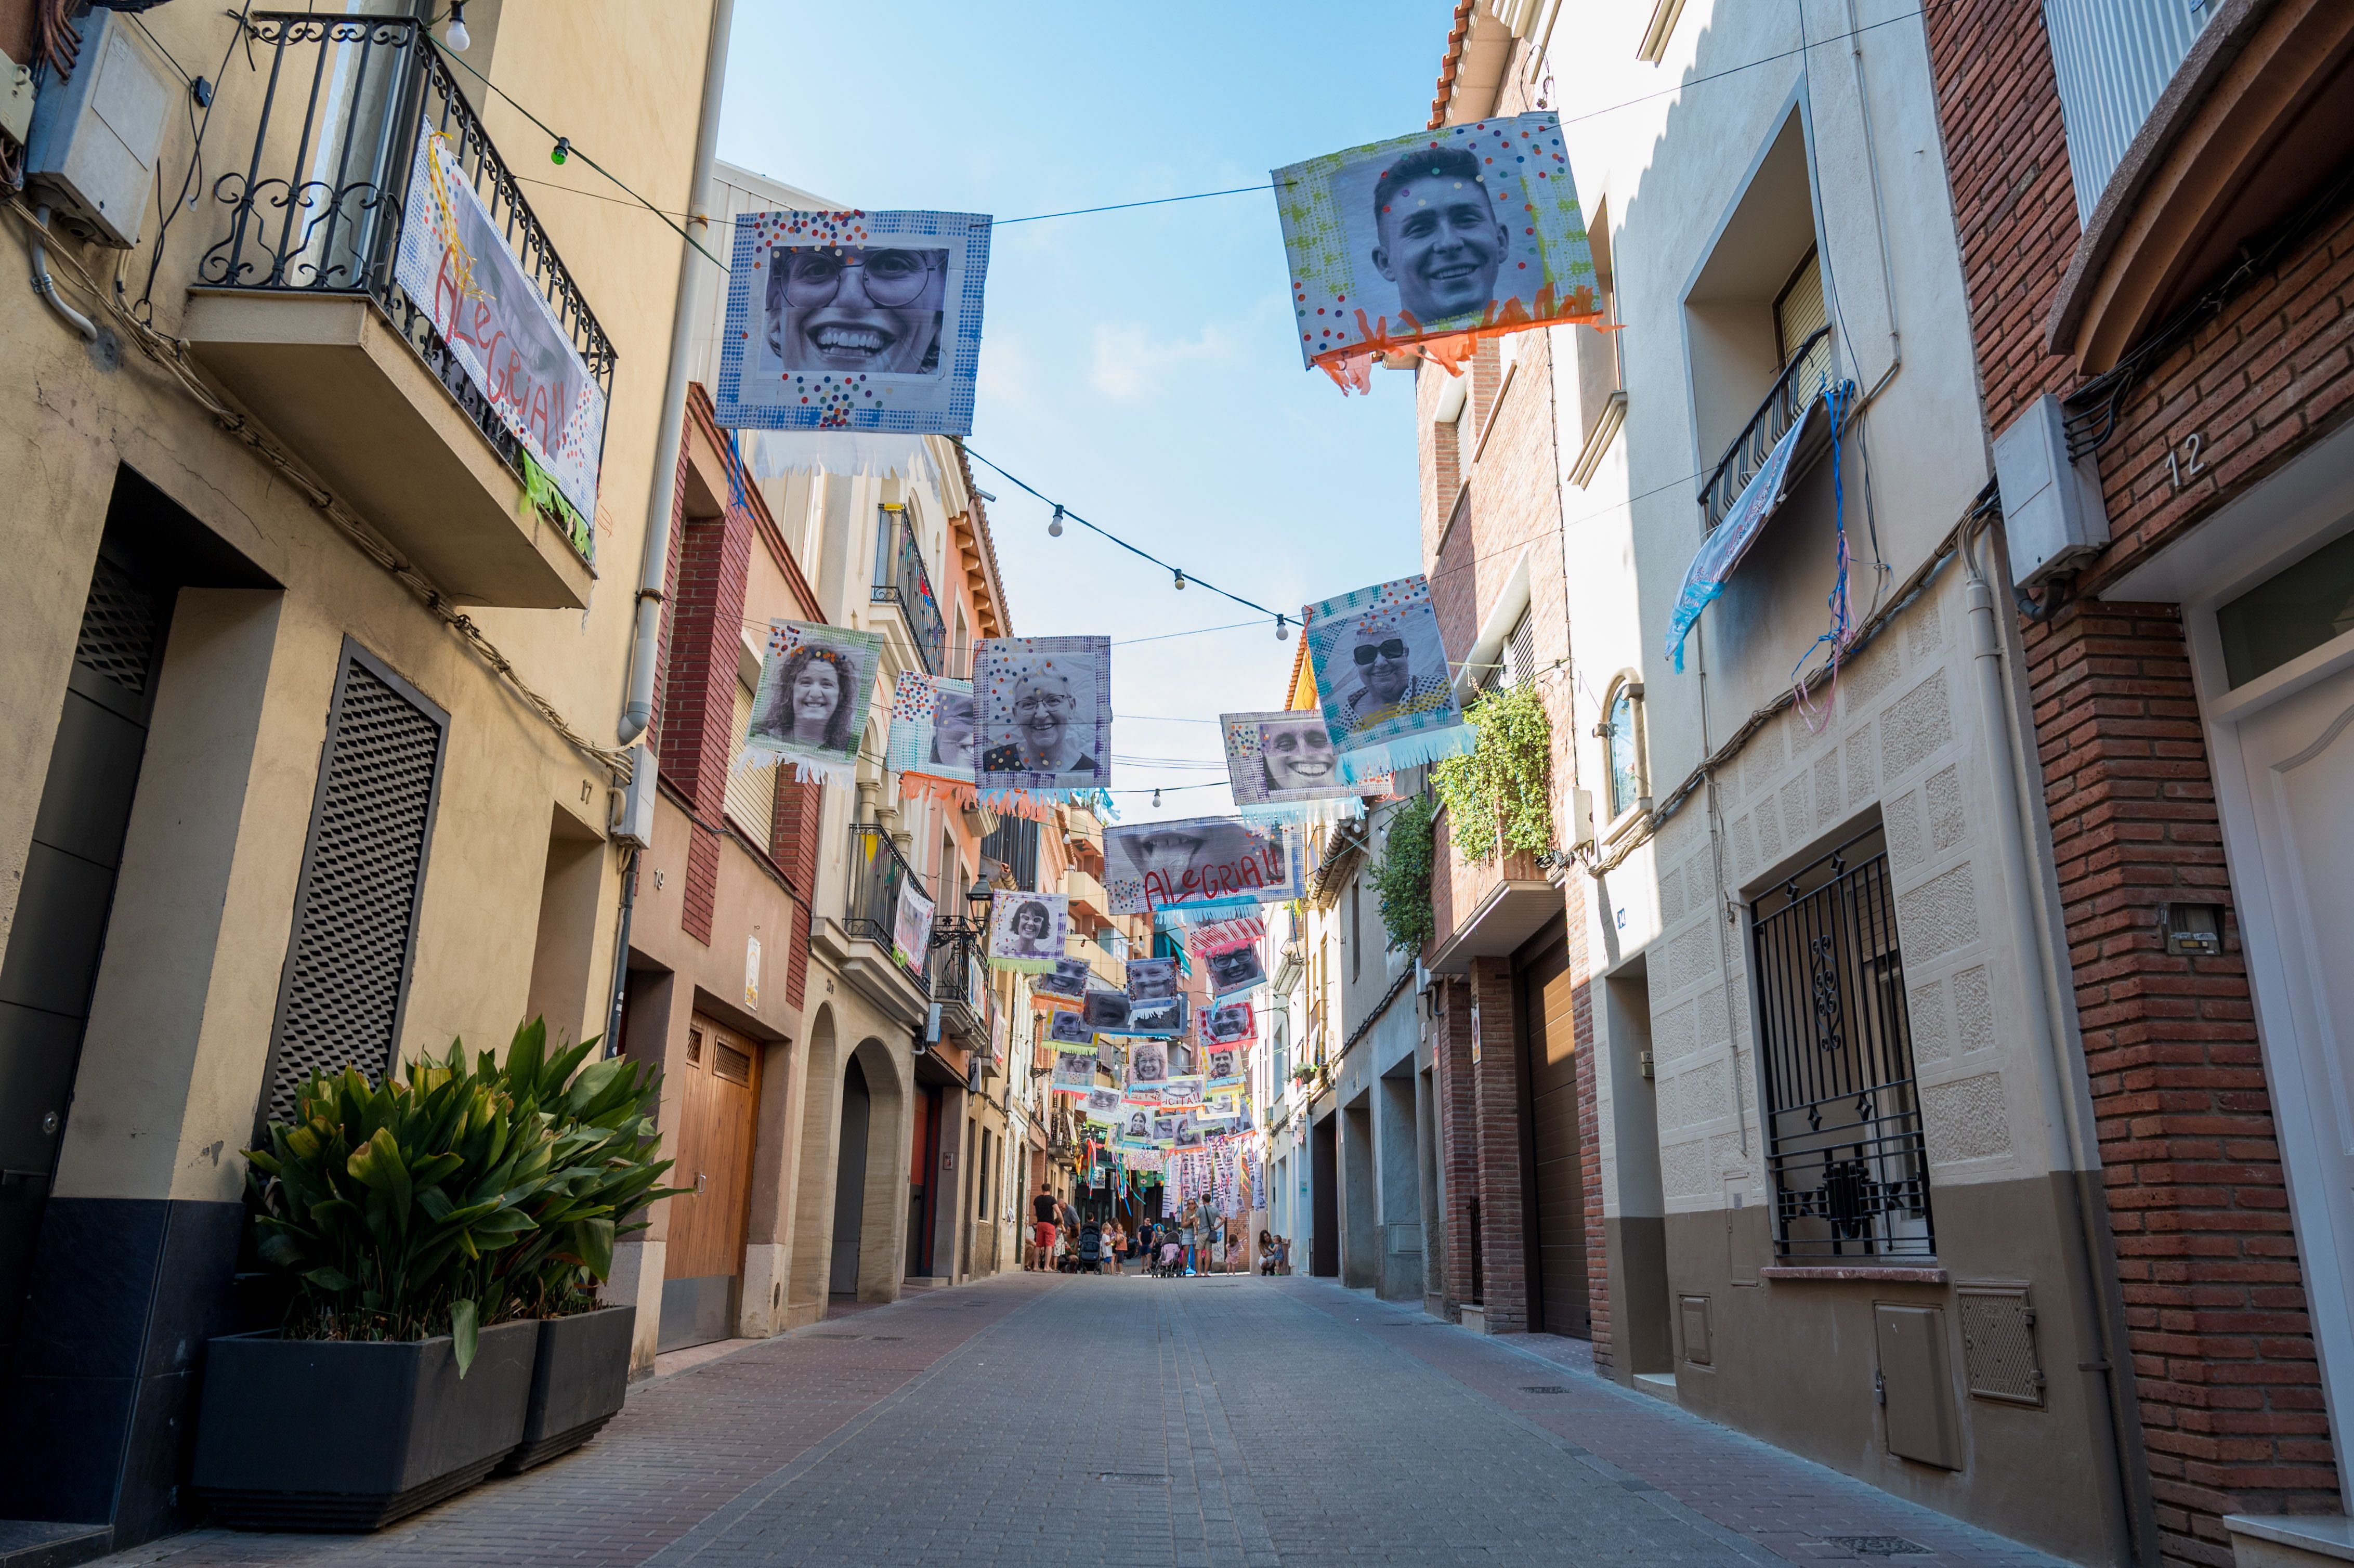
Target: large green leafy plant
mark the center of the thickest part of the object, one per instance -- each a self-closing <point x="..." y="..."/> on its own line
<point x="1499" y="794"/>
<point x="1402" y="877"/>
<point x="448" y="1197"/>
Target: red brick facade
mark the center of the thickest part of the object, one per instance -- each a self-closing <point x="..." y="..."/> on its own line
<point x="1499" y="1104"/>
<point x="706" y="615"/>
<point x="2229" y="1389"/>
<point x="1458" y="1141"/>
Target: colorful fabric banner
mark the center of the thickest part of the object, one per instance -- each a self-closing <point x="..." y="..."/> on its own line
<point x="1147" y="1062"/>
<point x="1230" y="1024"/>
<point x="1066" y="981"/>
<point x="854" y="321"/>
<point x="1028" y="931"/>
<point x="1722" y="551"/>
<point x="1068" y="1033"/>
<point x="1106" y="1010"/>
<point x="1236" y="970"/>
<point x="1165" y="1018"/>
<point x="1214" y="936"/>
<point x="505" y="336"/>
<point x="1382" y="677"/>
<point x="1075" y="1075"/>
<point x="1282" y="767"/>
<point x="1152" y="979"/>
<point x="816" y="684"/>
<point x="1200" y="868"/>
<point x="1102" y="1107"/>
<point x="930" y="747"/>
<point x="911" y="927"/>
<point x="1438" y="238"/>
<point x="1042" y="714"/>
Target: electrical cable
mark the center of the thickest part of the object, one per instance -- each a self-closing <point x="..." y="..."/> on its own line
<point x="193" y="181"/>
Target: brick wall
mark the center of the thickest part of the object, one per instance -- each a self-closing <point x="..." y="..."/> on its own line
<point x="1589" y="1129"/>
<point x="1497" y="1096"/>
<point x="705" y="617"/>
<point x="1458" y="1135"/>
<point x="2229" y="1391"/>
<point x="800" y="813"/>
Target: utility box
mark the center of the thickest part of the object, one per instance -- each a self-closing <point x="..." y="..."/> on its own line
<point x="15" y="101"/>
<point x="96" y="134"/>
<point x="634" y="814"/>
<point x="1917" y="1385"/>
<point x="2052" y="512"/>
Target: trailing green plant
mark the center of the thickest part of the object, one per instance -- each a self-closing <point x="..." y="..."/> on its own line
<point x="449" y="1197"/>
<point x="1402" y="877"/>
<point x="1499" y="794"/>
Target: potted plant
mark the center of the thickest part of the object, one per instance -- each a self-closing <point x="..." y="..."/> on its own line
<point x="399" y="1215"/>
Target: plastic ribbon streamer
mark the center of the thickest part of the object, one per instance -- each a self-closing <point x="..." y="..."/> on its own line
<point x="1282" y="767"/>
<point x="1028" y="931"/>
<point x="1722" y="551"/>
<point x="1432" y="241"/>
<point x="1200" y="868"/>
<point x="1382" y="676"/>
<point x="930" y="747"/>
<point x="1042" y="711"/>
<point x="1211" y="936"/>
<point x="1842" y="624"/>
<point x="854" y="321"/>
<point x="858" y="454"/>
<point x="816" y="684"/>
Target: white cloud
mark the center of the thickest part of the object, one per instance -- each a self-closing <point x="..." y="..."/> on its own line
<point x="1130" y="362"/>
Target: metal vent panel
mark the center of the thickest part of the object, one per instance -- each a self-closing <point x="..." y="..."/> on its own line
<point x="119" y="624"/>
<point x="348" y="971"/>
<point x="733" y="1065"/>
<point x="1999" y="1344"/>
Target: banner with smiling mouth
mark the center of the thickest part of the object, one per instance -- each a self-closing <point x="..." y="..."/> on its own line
<point x="1433" y="241"/>
<point x="816" y="683"/>
<point x="1282" y="767"/>
<point x="1200" y="868"/>
<point x="854" y="321"/>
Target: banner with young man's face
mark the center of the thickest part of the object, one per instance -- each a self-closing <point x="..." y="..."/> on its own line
<point x="854" y="321"/>
<point x="1458" y="233"/>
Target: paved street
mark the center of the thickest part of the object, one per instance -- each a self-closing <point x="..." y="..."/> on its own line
<point x="1046" y="1420"/>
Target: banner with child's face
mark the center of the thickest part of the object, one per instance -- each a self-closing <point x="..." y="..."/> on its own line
<point x="1467" y="229"/>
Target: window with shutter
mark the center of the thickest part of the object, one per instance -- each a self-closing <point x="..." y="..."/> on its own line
<point x="354" y="937"/>
<point x="1520" y="656"/>
<point x="751" y="791"/>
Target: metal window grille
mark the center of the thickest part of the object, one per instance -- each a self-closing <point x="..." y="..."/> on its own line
<point x="2113" y="59"/>
<point x="1014" y="844"/>
<point x="1519" y="655"/>
<point x="119" y="624"/>
<point x="900" y="579"/>
<point x="1844" y="1146"/>
<point x="347" y="965"/>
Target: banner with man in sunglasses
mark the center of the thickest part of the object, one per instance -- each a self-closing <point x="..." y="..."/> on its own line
<point x="854" y="321"/>
<point x="1382" y="676"/>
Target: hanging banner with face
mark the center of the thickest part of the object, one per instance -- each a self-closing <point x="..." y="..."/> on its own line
<point x="1152" y="979"/>
<point x="1181" y="1094"/>
<point x="1236" y="970"/>
<point x="1102" y="1107"/>
<point x="1145" y="1094"/>
<point x="1382" y="677"/>
<point x="1200" y="868"/>
<point x="1210" y="935"/>
<point x="1106" y="1010"/>
<point x="1042" y="714"/>
<point x="1224" y="1073"/>
<point x="1147" y="1062"/>
<point x="1066" y="982"/>
<point x="911" y="929"/>
<point x="854" y="321"/>
<point x="1230" y="1024"/>
<point x="816" y="683"/>
<point x="1282" y="767"/>
<point x="1067" y="1032"/>
<point x="1026" y="931"/>
<point x="1075" y="1075"/>
<point x="1165" y="1018"/>
<point x="930" y="747"/>
<point x="507" y="338"/>
<point x="1437" y="238"/>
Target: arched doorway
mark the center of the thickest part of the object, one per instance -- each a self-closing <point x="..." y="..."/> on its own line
<point x="850" y="1180"/>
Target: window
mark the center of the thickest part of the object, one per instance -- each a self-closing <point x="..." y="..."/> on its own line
<point x="1844" y="1149"/>
<point x="1356" y="938"/>
<point x="1622" y="736"/>
<point x="2113" y="59"/>
<point x="1601" y="401"/>
<point x="751" y="797"/>
<point x="1799" y="315"/>
<point x="2289" y="613"/>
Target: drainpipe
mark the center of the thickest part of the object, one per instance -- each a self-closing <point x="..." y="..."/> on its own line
<point x="2093" y="1301"/>
<point x="47" y="286"/>
<point x="663" y="488"/>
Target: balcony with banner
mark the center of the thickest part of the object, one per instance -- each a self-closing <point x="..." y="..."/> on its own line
<point x="1483" y="908"/>
<point x="900" y="579"/>
<point x="377" y="291"/>
<point x="881" y="938"/>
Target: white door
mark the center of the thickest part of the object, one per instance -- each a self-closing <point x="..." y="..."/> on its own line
<point x="2298" y="760"/>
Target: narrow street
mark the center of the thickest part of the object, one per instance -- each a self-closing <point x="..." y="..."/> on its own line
<point x="1042" y="1420"/>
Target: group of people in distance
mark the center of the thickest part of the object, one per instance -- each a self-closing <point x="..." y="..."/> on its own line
<point x="1197" y="1239"/>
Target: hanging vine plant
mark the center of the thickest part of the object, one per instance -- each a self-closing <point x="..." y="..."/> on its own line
<point x="1499" y="794"/>
<point x="1403" y="876"/>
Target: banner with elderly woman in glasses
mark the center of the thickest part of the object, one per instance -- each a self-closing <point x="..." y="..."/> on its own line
<point x="931" y="748"/>
<point x="1282" y="767"/>
<point x="816" y="683"/>
<point x="854" y="321"/>
<point x="1028" y="931"/>
<point x="1200" y="868"/>
<point x="1042" y="710"/>
<point x="1382" y="678"/>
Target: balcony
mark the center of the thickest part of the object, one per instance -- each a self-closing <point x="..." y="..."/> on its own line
<point x="900" y="579"/>
<point x="861" y="940"/>
<point x="385" y="302"/>
<point x="959" y="982"/>
<point x="1090" y="902"/>
<point x="1483" y="909"/>
<point x="1795" y="390"/>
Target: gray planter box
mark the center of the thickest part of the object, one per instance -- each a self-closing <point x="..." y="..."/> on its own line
<point x="329" y="1434"/>
<point x="577" y="1385"/>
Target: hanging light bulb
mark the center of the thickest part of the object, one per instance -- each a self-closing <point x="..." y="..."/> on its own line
<point x="457" y="35"/>
<point x="1181" y="579"/>
<point x="1055" y="525"/>
<point x="1156" y="795"/>
<point x="561" y="150"/>
<point x="1283" y="628"/>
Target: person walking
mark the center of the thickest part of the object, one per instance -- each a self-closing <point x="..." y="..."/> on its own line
<point x="1043" y="1210"/>
<point x="1187" y="1234"/>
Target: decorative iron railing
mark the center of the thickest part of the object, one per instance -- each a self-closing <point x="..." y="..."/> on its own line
<point x="959" y="978"/>
<point x="320" y="205"/>
<point x="1844" y="1149"/>
<point x="1795" y="390"/>
<point x="871" y="900"/>
<point x="900" y="579"/>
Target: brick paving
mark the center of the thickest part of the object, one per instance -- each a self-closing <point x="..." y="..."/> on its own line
<point x="1052" y="1419"/>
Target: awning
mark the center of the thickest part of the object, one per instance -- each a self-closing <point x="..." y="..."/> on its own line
<point x="1723" y="549"/>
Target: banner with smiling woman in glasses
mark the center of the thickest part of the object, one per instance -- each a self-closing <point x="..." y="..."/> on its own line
<point x="1382" y="678"/>
<point x="1282" y="767"/>
<point x="1042" y="712"/>
<point x="854" y="321"/>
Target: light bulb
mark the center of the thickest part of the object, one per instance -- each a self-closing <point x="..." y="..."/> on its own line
<point x="1054" y="526"/>
<point x="1156" y="797"/>
<point x="457" y="35"/>
<point x="1181" y="579"/>
<point x="1283" y="628"/>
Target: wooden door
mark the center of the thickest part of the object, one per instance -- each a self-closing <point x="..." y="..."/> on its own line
<point x="714" y="1153"/>
<point x="1546" y="998"/>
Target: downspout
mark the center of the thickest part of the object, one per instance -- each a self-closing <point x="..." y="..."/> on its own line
<point x="2093" y="1301"/>
<point x="663" y="488"/>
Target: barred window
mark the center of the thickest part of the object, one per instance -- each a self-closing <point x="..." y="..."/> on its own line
<point x="1843" y="1139"/>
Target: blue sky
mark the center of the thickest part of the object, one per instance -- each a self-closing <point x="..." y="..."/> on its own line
<point x="1137" y="366"/>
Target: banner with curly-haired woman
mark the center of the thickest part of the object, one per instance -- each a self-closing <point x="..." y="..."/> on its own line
<point x="1028" y="931"/>
<point x="816" y="684"/>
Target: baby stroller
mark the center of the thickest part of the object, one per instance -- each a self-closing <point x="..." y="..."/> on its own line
<point x="1090" y="1248"/>
<point x="1173" y="1261"/>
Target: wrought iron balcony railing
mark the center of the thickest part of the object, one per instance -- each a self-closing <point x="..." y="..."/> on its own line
<point x="959" y="978"/>
<point x="322" y="205"/>
<point x="871" y="900"/>
<point x="1795" y="390"/>
<point x="900" y="579"/>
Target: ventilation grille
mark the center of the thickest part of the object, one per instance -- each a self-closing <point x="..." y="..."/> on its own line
<point x="118" y="628"/>
<point x="733" y="1065"/>
<point x="350" y="964"/>
<point x="1999" y="1344"/>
